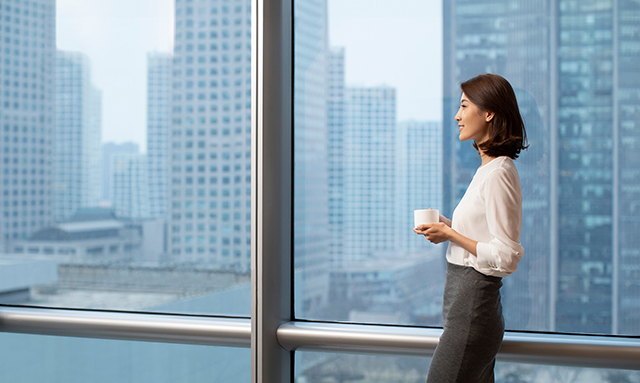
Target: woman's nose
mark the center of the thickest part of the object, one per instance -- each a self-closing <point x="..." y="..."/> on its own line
<point x="457" y="117"/>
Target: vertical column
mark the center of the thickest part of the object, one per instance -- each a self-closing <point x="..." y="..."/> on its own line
<point x="615" y="226"/>
<point x="553" y="155"/>
<point x="271" y="189"/>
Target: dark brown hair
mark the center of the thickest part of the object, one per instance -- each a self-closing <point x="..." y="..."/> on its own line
<point x="507" y="136"/>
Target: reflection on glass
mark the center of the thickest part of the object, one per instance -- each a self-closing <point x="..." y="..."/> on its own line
<point x="31" y="359"/>
<point x="375" y="139"/>
<point x="126" y="155"/>
<point x="335" y="368"/>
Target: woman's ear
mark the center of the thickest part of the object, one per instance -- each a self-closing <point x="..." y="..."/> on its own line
<point x="490" y="115"/>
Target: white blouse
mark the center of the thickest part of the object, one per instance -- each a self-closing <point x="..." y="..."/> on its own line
<point x="490" y="212"/>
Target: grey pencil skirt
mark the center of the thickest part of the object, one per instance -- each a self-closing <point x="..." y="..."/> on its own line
<point x="473" y="328"/>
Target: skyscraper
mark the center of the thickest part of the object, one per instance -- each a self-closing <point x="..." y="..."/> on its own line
<point x="335" y="148"/>
<point x="78" y="126"/>
<point x="109" y="149"/>
<point x="567" y="61"/>
<point x="27" y="32"/>
<point x="368" y="171"/>
<point x="210" y="164"/>
<point x="158" y="121"/>
<point x="418" y="177"/>
<point x="627" y="99"/>
<point x="311" y="169"/>
<point x="130" y="186"/>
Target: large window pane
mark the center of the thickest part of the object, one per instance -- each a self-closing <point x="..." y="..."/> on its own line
<point x="36" y="359"/>
<point x="329" y="368"/>
<point x="126" y="154"/>
<point x="376" y="90"/>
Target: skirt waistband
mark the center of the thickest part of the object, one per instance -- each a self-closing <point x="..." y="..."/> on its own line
<point x="471" y="273"/>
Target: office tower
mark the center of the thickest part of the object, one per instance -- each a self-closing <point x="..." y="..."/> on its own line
<point x="310" y="167"/>
<point x="572" y="66"/>
<point x="210" y="164"/>
<point x="158" y="112"/>
<point x="130" y="186"/>
<point x="109" y="149"/>
<point x="627" y="97"/>
<point x="368" y="171"/>
<point x="78" y="128"/>
<point x="335" y="143"/>
<point x="514" y="43"/>
<point x="27" y="32"/>
<point x="418" y="178"/>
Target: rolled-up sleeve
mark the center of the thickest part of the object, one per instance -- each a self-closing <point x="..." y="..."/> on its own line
<point x="503" y="198"/>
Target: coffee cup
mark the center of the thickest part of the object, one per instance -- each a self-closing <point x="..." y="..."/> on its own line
<point x="424" y="216"/>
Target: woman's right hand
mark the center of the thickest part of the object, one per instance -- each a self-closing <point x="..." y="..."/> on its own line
<point x="445" y="220"/>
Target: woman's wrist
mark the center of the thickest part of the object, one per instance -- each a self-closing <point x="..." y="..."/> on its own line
<point x="450" y="233"/>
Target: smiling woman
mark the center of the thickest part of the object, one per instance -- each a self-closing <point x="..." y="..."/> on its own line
<point x="483" y="235"/>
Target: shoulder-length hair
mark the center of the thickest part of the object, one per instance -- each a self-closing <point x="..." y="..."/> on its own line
<point x="507" y="136"/>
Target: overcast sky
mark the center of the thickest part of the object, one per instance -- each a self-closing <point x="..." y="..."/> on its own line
<point x="392" y="42"/>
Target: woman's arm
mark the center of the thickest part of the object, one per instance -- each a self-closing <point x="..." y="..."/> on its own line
<point x="445" y="220"/>
<point x="441" y="232"/>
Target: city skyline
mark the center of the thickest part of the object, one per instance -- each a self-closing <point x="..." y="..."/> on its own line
<point x="118" y="35"/>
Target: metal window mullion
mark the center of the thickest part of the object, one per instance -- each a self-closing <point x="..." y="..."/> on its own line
<point x="271" y="192"/>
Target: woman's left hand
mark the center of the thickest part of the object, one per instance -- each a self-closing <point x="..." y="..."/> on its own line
<point x="434" y="232"/>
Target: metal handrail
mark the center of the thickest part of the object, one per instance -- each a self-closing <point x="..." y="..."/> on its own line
<point x="538" y="348"/>
<point x="214" y="331"/>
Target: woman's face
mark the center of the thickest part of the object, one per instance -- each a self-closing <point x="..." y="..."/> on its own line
<point x="473" y="123"/>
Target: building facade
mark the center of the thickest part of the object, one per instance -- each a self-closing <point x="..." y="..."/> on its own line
<point x="78" y="128"/>
<point x="310" y="157"/>
<point x="130" y="186"/>
<point x="109" y="149"/>
<point x="368" y="171"/>
<point x="335" y="147"/>
<point x="27" y="31"/>
<point x="418" y="178"/>
<point x="210" y="165"/>
<point x="158" y="119"/>
<point x="570" y="64"/>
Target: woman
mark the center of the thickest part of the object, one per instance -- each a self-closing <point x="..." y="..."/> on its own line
<point x="484" y="235"/>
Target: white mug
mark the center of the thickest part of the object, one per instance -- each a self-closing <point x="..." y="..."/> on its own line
<point x="425" y="216"/>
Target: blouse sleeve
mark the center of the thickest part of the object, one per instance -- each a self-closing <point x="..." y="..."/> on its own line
<point x="503" y="198"/>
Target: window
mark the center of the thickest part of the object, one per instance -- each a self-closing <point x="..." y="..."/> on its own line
<point x="375" y="139"/>
<point x="370" y="129"/>
<point x="93" y="141"/>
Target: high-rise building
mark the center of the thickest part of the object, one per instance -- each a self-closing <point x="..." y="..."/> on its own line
<point x="335" y="147"/>
<point x="78" y="128"/>
<point x="368" y="171"/>
<point x="27" y="32"/>
<point x="571" y="66"/>
<point x="627" y="120"/>
<point x="158" y="121"/>
<point x="418" y="177"/>
<point x="210" y="164"/>
<point x="109" y="149"/>
<point x="310" y="168"/>
<point x="130" y="186"/>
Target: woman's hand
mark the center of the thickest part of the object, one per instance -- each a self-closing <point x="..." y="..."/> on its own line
<point x="434" y="232"/>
